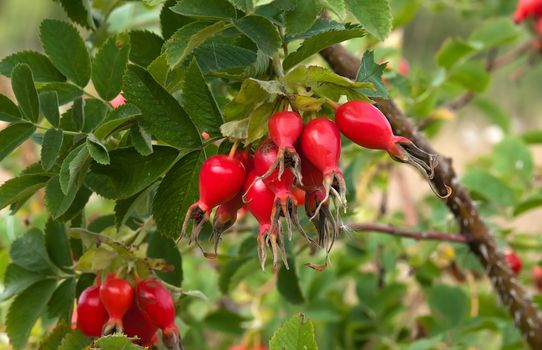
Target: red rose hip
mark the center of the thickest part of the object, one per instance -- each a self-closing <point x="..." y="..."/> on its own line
<point x="116" y="295"/>
<point x="91" y="313"/>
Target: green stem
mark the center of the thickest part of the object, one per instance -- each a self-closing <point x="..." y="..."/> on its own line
<point x="64" y="131"/>
<point x="277" y="65"/>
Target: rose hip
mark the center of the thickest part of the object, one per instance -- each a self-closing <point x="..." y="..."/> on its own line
<point x="513" y="261"/>
<point x="284" y="130"/>
<point x="285" y="203"/>
<point x="321" y="145"/>
<point x="116" y="295"/>
<point x="156" y="303"/>
<point x="226" y="214"/>
<point x="260" y="202"/>
<point x="220" y="179"/>
<point x="367" y="126"/>
<point x="91" y="313"/>
<point x="136" y="324"/>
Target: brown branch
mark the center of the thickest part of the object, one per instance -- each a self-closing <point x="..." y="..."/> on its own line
<point x="417" y="235"/>
<point x="472" y="226"/>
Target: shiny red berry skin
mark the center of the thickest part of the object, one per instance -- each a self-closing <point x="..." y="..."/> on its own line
<point x="259" y="199"/>
<point x="299" y="196"/>
<point x="91" y="313"/>
<point x="136" y="324"/>
<point x="156" y="303"/>
<point x="285" y="128"/>
<point x="364" y="124"/>
<point x="221" y="178"/>
<point x="321" y="144"/>
<point x="527" y="8"/>
<point x="117" y="296"/>
<point x="513" y="261"/>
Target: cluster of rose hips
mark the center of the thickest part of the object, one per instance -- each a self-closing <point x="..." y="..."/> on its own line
<point x="115" y="306"/>
<point x="296" y="157"/>
<point x="529" y="9"/>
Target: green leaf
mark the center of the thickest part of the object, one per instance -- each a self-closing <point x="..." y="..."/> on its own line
<point x="141" y="140"/>
<point x="200" y="103"/>
<point x="449" y="305"/>
<point x="111" y="126"/>
<point x="207" y="9"/>
<point x="162" y="115"/>
<point x="338" y="7"/>
<point x="53" y="339"/>
<point x="512" y="159"/>
<point x="257" y="125"/>
<point x="77" y="113"/>
<point x="42" y="68"/>
<point x="12" y="136"/>
<point x="137" y="205"/>
<point x="8" y="110"/>
<point x="49" y="107"/>
<point x="116" y="342"/>
<point x="97" y="150"/>
<point x="129" y="172"/>
<point x="320" y="41"/>
<point x="29" y="252"/>
<point x="50" y="147"/>
<point x="471" y="75"/>
<point x="490" y="187"/>
<point x="235" y="271"/>
<point x="25" y="311"/>
<point x="247" y="99"/>
<point x="95" y="259"/>
<point x="66" y="49"/>
<point x="324" y="82"/>
<point x="73" y="168"/>
<point x="145" y="47"/>
<point x="66" y="92"/>
<point x="528" y="204"/>
<point x="288" y="283"/>
<point x="176" y="193"/>
<point x="56" y="201"/>
<point x="165" y="248"/>
<point x="453" y="51"/>
<point x="303" y="16"/>
<point x="23" y="87"/>
<point x="244" y="5"/>
<point x="236" y="129"/>
<point x="495" y="32"/>
<point x="493" y="112"/>
<point x="95" y="112"/>
<point x="58" y="245"/>
<point x="233" y="59"/>
<point x="170" y="21"/>
<point x="109" y="65"/>
<point x="188" y="38"/>
<point x="20" y="187"/>
<point x="261" y="31"/>
<point x="371" y="72"/>
<point x="18" y="279"/>
<point x="296" y="333"/>
<point x="79" y="12"/>
<point x="75" y="340"/>
<point x="374" y="15"/>
<point x="225" y="321"/>
<point x="61" y="303"/>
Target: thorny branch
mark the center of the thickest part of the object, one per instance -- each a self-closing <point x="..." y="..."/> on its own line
<point x="472" y="226"/>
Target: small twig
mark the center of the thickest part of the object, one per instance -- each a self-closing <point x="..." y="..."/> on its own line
<point x="417" y="235"/>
